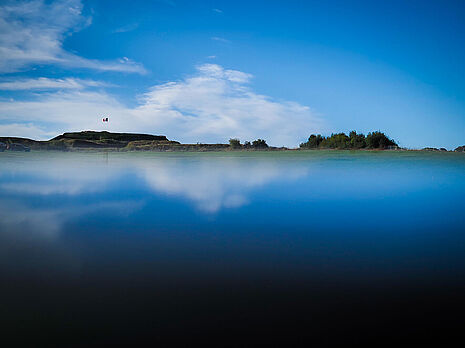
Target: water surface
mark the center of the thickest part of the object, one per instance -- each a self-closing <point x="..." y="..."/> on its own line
<point x="311" y="246"/>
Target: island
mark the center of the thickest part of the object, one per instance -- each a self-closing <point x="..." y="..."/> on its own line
<point x="108" y="141"/>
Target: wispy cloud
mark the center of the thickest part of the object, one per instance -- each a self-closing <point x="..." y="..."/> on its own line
<point x="33" y="32"/>
<point x="211" y="106"/>
<point x="43" y="83"/>
<point x="220" y="39"/>
<point x="126" y="28"/>
<point x="25" y="130"/>
<point x="217" y="10"/>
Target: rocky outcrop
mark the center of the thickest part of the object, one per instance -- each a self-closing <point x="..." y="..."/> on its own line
<point x="91" y="140"/>
<point x="2" y="147"/>
<point x="460" y="149"/>
<point x="107" y="136"/>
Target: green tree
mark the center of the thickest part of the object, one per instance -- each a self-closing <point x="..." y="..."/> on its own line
<point x="336" y="141"/>
<point x="234" y="143"/>
<point x="313" y="142"/>
<point x="374" y="140"/>
<point x="259" y="144"/>
<point x="357" y="141"/>
<point x="378" y="140"/>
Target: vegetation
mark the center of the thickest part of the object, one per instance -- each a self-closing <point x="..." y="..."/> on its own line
<point x="90" y="140"/>
<point x="259" y="144"/>
<point x="374" y="140"/>
<point x="256" y="144"/>
<point x="234" y="143"/>
<point x="377" y="140"/>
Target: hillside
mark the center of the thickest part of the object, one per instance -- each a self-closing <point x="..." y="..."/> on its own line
<point x="107" y="136"/>
<point x="92" y="140"/>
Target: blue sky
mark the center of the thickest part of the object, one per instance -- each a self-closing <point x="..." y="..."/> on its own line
<point x="207" y="71"/>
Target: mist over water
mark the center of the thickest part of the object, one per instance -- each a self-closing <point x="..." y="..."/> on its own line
<point x="322" y="247"/>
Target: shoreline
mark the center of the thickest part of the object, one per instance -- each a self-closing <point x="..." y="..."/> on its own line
<point x="93" y="141"/>
<point x="190" y="149"/>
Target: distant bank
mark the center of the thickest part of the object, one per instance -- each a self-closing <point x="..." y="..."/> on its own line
<point x="92" y="140"/>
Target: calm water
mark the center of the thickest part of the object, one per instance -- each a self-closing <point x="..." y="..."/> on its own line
<point x="235" y="248"/>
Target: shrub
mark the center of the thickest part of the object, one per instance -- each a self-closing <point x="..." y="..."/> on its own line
<point x="313" y="142"/>
<point x="357" y="141"/>
<point x="259" y="144"/>
<point x="336" y="141"/>
<point x="378" y="140"/>
<point x="234" y="143"/>
<point x="374" y="140"/>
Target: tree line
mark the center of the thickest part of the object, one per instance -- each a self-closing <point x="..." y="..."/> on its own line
<point x="256" y="144"/>
<point x="373" y="140"/>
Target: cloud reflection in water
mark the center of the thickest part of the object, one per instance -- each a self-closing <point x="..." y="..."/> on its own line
<point x="41" y="191"/>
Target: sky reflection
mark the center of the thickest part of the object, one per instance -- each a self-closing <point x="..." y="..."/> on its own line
<point x="122" y="235"/>
<point x="210" y="183"/>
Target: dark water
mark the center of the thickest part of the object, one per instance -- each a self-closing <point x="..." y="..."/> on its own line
<point x="232" y="249"/>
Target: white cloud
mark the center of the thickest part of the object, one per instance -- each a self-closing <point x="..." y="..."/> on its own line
<point x="213" y="105"/>
<point x="217" y="104"/>
<point x="57" y="112"/>
<point x="43" y="83"/>
<point x="25" y="130"/>
<point x="32" y="32"/>
<point x="217" y="10"/>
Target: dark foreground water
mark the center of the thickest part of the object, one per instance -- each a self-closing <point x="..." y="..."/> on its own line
<point x="232" y="249"/>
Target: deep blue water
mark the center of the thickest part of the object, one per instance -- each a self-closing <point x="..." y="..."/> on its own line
<point x="234" y="248"/>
